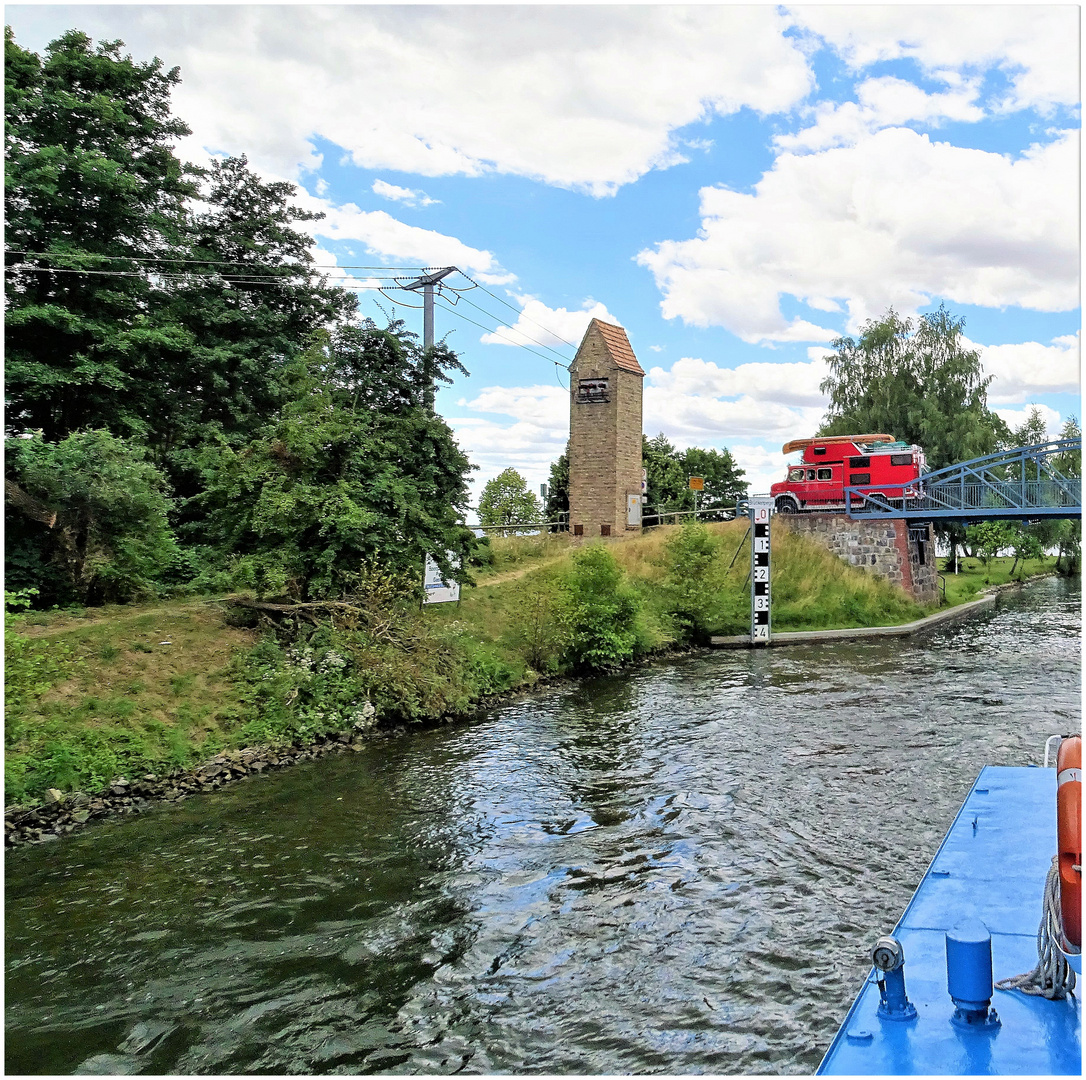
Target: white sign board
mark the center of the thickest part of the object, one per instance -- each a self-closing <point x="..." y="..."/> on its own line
<point x="438" y="590"/>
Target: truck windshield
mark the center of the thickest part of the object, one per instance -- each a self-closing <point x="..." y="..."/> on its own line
<point x="795" y="474"/>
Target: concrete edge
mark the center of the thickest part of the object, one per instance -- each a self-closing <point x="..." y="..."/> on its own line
<point x="805" y="637"/>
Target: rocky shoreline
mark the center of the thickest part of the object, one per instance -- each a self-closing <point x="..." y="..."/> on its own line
<point x="64" y="813"/>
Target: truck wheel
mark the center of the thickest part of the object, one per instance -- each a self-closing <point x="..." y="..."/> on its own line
<point x="787" y="505"/>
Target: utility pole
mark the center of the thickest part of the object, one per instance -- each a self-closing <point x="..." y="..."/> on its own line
<point x="426" y="282"/>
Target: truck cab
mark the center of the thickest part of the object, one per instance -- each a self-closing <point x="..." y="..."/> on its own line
<point x="829" y="464"/>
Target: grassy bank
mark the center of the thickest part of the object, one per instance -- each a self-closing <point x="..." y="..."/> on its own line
<point x="133" y="690"/>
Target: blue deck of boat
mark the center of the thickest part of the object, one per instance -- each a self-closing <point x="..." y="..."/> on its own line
<point x="991" y="866"/>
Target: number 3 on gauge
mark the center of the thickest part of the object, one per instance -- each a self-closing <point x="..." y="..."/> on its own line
<point x="761" y="573"/>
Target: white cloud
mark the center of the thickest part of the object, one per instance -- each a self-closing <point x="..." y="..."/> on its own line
<point x="328" y="265"/>
<point x="408" y="196"/>
<point x="391" y="239"/>
<point x="883" y="102"/>
<point x="788" y="384"/>
<point x="1015" y="418"/>
<point x="1035" y="46"/>
<point x="698" y="403"/>
<point x="763" y="465"/>
<point x="896" y="219"/>
<point x="536" y="437"/>
<point x="546" y="407"/>
<point x="538" y="324"/>
<point x="1029" y="368"/>
<point x="584" y="97"/>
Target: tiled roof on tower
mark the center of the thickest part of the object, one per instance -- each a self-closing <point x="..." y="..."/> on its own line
<point x="618" y="345"/>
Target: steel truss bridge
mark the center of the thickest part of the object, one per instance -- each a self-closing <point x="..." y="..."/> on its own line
<point x="1026" y="484"/>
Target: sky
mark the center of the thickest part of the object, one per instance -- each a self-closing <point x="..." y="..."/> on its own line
<point x="736" y="186"/>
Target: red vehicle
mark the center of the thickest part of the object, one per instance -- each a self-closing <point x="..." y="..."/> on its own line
<point x="834" y="462"/>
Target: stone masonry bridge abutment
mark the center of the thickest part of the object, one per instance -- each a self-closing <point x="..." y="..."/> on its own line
<point x="892" y="548"/>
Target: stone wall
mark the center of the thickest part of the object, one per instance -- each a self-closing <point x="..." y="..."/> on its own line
<point x="883" y="546"/>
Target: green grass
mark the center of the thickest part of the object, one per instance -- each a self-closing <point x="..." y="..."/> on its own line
<point x="94" y="693"/>
<point x="974" y="577"/>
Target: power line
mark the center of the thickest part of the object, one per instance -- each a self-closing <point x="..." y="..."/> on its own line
<point x="498" y="320"/>
<point x="273" y="278"/>
<point x="200" y="262"/>
<point x="520" y="312"/>
<point x="229" y="279"/>
<point x="449" y="308"/>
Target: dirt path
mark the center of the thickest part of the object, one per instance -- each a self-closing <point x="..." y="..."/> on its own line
<point x="512" y="575"/>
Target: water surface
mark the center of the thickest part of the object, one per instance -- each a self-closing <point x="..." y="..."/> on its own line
<point x="675" y="871"/>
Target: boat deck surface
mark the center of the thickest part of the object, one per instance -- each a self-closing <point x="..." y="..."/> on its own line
<point x="991" y="866"/>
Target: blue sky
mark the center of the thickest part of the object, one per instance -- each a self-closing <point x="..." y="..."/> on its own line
<point x="735" y="185"/>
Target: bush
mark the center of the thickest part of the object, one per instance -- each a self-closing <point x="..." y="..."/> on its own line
<point x="542" y="631"/>
<point x="693" y="582"/>
<point x="603" y="613"/>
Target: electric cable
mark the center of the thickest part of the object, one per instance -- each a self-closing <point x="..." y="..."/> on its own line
<point x="453" y="311"/>
<point x="200" y="262"/>
<point x="520" y="311"/>
<point x="541" y="344"/>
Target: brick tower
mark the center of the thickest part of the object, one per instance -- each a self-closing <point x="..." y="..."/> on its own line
<point x="604" y="434"/>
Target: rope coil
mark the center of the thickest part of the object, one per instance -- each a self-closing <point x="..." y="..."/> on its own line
<point x="1053" y="977"/>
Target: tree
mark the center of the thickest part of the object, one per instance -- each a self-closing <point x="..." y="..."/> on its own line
<point x="105" y="536"/>
<point x="669" y="471"/>
<point x="354" y="469"/>
<point x="1068" y="534"/>
<point x="602" y="612"/>
<point x="557" y="505"/>
<point x="94" y="210"/>
<point x="506" y="500"/>
<point x="248" y="308"/>
<point x="988" y="538"/>
<point x="1026" y="543"/>
<point x="144" y="311"/>
<point x="915" y="380"/>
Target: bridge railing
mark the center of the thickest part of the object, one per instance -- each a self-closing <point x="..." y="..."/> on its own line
<point x="987" y="498"/>
<point x="1021" y="484"/>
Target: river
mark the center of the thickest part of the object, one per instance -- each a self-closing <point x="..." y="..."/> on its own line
<point x="678" y="870"/>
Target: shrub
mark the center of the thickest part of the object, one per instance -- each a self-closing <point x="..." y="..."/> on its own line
<point x="603" y="613"/>
<point x="693" y="581"/>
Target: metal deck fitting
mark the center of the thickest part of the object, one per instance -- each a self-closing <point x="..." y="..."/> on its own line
<point x="991" y="866"/>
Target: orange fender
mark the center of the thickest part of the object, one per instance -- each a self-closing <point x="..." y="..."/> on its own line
<point x="1069" y="826"/>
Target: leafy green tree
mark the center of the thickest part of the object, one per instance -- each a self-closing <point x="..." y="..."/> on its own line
<point x="557" y="505"/>
<point x="506" y="500"/>
<point x="989" y="538"/>
<point x="1025" y="542"/>
<point x="669" y="471"/>
<point x="95" y="207"/>
<point x="915" y="380"/>
<point x="246" y="309"/>
<point x="354" y="469"/>
<point x="1068" y="534"/>
<point x="106" y="535"/>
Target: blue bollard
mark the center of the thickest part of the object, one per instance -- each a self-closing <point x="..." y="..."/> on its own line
<point x="969" y="976"/>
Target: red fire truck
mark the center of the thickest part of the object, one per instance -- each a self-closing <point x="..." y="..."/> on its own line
<point x="834" y="462"/>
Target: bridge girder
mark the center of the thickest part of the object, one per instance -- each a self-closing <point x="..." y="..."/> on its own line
<point x="1023" y="484"/>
